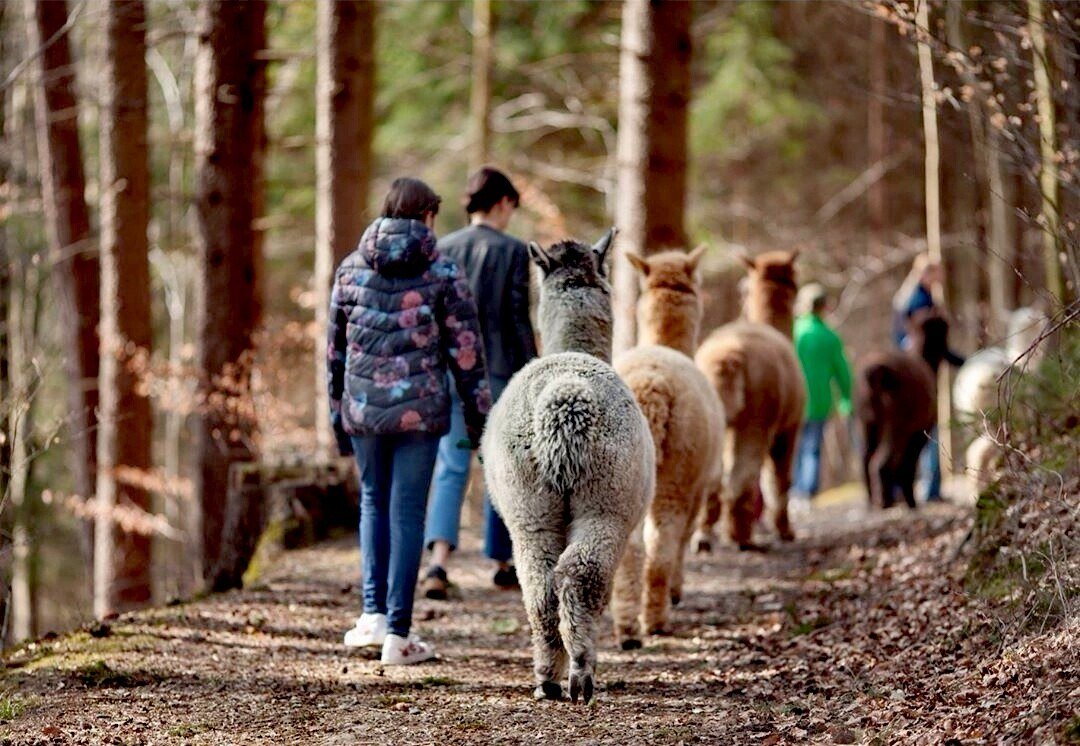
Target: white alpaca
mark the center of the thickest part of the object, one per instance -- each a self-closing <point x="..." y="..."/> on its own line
<point x="687" y="424"/>
<point x="977" y="388"/>
<point x="569" y="464"/>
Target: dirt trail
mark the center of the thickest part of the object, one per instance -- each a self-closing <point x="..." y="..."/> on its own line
<point x="856" y="633"/>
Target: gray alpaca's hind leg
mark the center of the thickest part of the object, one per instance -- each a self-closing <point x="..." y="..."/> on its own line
<point x="582" y="581"/>
<point x="536" y="554"/>
<point x="626" y="593"/>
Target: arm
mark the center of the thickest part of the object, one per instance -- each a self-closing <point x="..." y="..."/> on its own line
<point x="337" y="325"/>
<point x="524" y="338"/>
<point x="459" y="335"/>
<point x="841" y="371"/>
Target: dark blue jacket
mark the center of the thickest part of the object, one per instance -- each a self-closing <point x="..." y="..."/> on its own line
<point x="400" y="315"/>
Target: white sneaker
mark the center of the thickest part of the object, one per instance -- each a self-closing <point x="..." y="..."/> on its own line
<point x="404" y="651"/>
<point x="370" y="630"/>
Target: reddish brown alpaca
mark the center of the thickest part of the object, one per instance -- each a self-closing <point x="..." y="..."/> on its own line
<point x="753" y="367"/>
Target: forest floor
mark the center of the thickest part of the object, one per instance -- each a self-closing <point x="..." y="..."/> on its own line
<point x="860" y="632"/>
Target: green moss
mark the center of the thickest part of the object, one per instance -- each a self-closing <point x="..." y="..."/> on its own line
<point x="1071" y="732"/>
<point x="11" y="707"/>
<point x="99" y="674"/>
<point x="269" y="547"/>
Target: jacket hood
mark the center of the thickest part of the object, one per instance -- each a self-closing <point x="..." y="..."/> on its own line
<point x="398" y="247"/>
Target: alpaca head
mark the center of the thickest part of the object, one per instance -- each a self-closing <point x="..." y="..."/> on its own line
<point x="928" y="334"/>
<point x="574" y="312"/>
<point x="669" y="310"/>
<point x="771" y="288"/>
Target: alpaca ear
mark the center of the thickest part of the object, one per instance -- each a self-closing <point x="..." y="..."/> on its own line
<point x="540" y="258"/>
<point x="640" y="264"/>
<point x="742" y="257"/>
<point x="601" y="248"/>
<point x="794" y="255"/>
<point x="694" y="258"/>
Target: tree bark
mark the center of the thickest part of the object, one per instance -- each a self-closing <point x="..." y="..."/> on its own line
<point x="228" y="89"/>
<point x="480" y="92"/>
<point x="122" y="577"/>
<point x="345" y="125"/>
<point x="73" y="256"/>
<point x="1048" y="176"/>
<point x="654" y="98"/>
<point x="876" y="135"/>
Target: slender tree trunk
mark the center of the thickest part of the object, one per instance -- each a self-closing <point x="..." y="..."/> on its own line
<point x="654" y="98"/>
<point x="230" y="301"/>
<point x="122" y="570"/>
<point x="1001" y="249"/>
<point x="345" y="125"/>
<point x="480" y="95"/>
<point x="73" y="256"/>
<point x="876" y="135"/>
<point x="1048" y="176"/>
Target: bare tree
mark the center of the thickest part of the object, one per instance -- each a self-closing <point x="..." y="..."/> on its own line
<point x="876" y="132"/>
<point x="654" y="98"/>
<point x="122" y="577"/>
<point x="73" y="256"/>
<point x="228" y="84"/>
<point x="480" y="93"/>
<point x="345" y="124"/>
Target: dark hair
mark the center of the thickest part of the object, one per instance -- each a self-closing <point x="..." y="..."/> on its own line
<point x="486" y="187"/>
<point x="410" y="198"/>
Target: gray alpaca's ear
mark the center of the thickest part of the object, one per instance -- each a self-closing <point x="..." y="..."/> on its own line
<point x="540" y="259"/>
<point x="601" y="248"/>
<point x="694" y="257"/>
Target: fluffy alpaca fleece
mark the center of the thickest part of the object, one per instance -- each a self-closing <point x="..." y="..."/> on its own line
<point x="896" y="404"/>
<point x="771" y="289"/>
<point x="977" y="387"/>
<point x="687" y="424"/>
<point x="569" y="463"/>
<point x="754" y="370"/>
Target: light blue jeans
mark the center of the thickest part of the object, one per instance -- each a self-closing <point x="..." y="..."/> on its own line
<point x="395" y="472"/>
<point x="808" y="466"/>
<point x="448" y="487"/>
<point x="930" y="466"/>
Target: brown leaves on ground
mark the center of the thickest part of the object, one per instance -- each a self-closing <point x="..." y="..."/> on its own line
<point x="859" y="633"/>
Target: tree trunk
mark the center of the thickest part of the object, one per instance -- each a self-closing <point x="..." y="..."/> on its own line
<point x="122" y="577"/>
<point x="228" y="89"/>
<point x="480" y="93"/>
<point x="1048" y="176"/>
<point x="73" y="256"/>
<point x="876" y="135"/>
<point x="654" y="98"/>
<point x="345" y="125"/>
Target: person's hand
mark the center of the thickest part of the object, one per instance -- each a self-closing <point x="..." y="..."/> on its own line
<point x="344" y="442"/>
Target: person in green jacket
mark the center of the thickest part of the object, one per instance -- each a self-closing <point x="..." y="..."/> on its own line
<point x="825" y="365"/>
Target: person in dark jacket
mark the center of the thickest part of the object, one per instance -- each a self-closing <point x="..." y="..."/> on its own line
<point x="497" y="267"/>
<point x="916" y="294"/>
<point x="401" y="315"/>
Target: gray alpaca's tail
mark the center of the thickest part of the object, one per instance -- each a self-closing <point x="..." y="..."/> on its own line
<point x="565" y="413"/>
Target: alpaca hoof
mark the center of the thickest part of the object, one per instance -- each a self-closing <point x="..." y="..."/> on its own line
<point x="676" y="599"/>
<point x="788" y="535"/>
<point x="547" y="690"/>
<point x="581" y="684"/>
<point x="702" y="543"/>
<point x="749" y="546"/>
<point x="630" y="643"/>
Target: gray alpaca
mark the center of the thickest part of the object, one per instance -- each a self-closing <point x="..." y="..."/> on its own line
<point x="569" y="464"/>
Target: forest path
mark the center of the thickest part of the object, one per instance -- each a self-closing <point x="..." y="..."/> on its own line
<point x="858" y="632"/>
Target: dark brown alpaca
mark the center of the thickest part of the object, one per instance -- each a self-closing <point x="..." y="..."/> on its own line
<point x="896" y="403"/>
<point x="771" y="289"/>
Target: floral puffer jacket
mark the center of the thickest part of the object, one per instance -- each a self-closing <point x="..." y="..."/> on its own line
<point x="399" y="315"/>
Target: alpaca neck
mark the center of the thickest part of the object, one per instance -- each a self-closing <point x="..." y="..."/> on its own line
<point x="772" y="307"/>
<point x="576" y="322"/>
<point x="677" y="331"/>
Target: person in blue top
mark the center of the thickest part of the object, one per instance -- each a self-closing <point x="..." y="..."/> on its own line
<point x="915" y="294"/>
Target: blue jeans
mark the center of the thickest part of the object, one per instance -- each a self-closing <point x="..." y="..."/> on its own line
<point x="930" y="466"/>
<point x="395" y="472"/>
<point x="448" y="487"/>
<point x="808" y="465"/>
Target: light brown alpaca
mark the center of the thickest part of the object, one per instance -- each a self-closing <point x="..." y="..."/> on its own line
<point x="687" y="423"/>
<point x="752" y="366"/>
<point x="771" y="289"/>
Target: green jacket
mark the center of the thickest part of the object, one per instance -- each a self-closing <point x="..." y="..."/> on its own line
<point x="821" y="354"/>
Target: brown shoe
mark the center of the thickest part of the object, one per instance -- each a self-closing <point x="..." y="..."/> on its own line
<point x="435" y="584"/>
